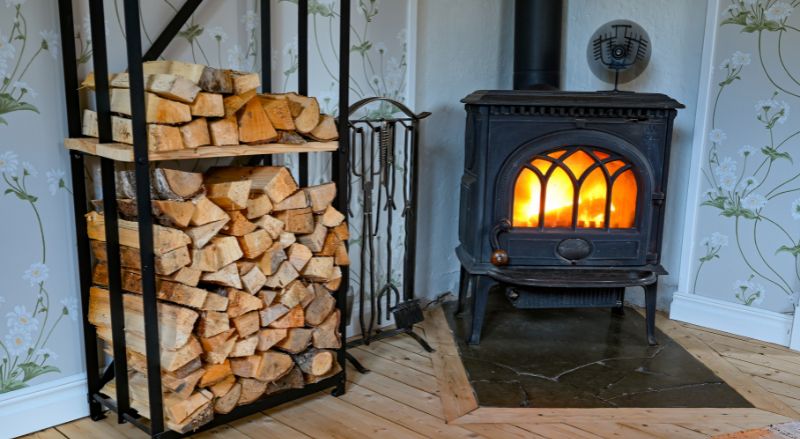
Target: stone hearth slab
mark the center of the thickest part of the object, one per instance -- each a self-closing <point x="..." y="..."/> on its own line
<point x="582" y="358"/>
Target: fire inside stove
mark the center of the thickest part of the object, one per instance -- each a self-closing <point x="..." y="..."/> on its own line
<point x="576" y="187"/>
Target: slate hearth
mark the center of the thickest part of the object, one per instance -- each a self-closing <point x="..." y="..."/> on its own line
<point x="582" y="358"/>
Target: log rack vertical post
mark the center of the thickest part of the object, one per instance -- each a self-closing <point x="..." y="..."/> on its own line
<point x="118" y="369"/>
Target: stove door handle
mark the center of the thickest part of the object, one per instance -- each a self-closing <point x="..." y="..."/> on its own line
<point x="499" y="256"/>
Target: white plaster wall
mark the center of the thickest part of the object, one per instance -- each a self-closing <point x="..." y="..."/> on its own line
<point x="676" y="29"/>
<point x="462" y="46"/>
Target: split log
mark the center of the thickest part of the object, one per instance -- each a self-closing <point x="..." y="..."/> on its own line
<point x="235" y="102"/>
<point x="253" y="280"/>
<point x="275" y="181"/>
<point x="171" y="359"/>
<point x="224" y="131"/>
<point x="295" y="318"/>
<point x="269" y="337"/>
<point x="297" y="220"/>
<point x="244" y="81"/>
<point x="189" y="71"/>
<point x="321" y="196"/>
<point x="319" y="269"/>
<point x="222" y="251"/>
<point x="157" y="109"/>
<point x="341" y="256"/>
<point x="295" y="294"/>
<point x="165" y="290"/>
<point x="165" y="85"/>
<point x="165" y="264"/>
<point x="311" y="379"/>
<point x="341" y="231"/>
<point x="216" y="81"/>
<point x="314" y="239"/>
<point x="272" y="313"/>
<point x="186" y="275"/>
<point x="246" y="324"/>
<point x="268" y="297"/>
<point x="287" y="239"/>
<point x="173" y="213"/>
<point x="330" y="245"/>
<point x="245" y="347"/>
<point x="273" y="365"/>
<point x="175" y="322"/>
<point x="296" y="341"/>
<point x="215" y="373"/>
<point x="207" y="105"/>
<point x="239" y="225"/>
<point x="227" y="276"/>
<point x="223" y="387"/>
<point x="217" y="348"/>
<point x="258" y="206"/>
<point x="299" y="255"/>
<point x="279" y="114"/>
<point x="240" y="302"/>
<point x="255" y="243"/>
<point x="252" y="389"/>
<point x="326" y="335"/>
<point x="308" y="119"/>
<point x="165" y="239"/>
<point x="195" y="133"/>
<point x="332" y="217"/>
<point x="290" y="138"/>
<point x="173" y="184"/>
<point x="177" y="409"/>
<point x="336" y="279"/>
<point x="292" y="380"/>
<point x="246" y="367"/>
<point x="298" y="200"/>
<point x="181" y="387"/>
<point x="270" y="261"/>
<point x="229" y="195"/>
<point x="215" y="302"/>
<point x="212" y="323"/>
<point x="319" y="309"/>
<point x="206" y="212"/>
<point x="271" y="225"/>
<point x="227" y="402"/>
<point x="201" y="235"/>
<point x="315" y="361"/>
<point x="254" y="125"/>
<point x="285" y="274"/>
<point x="159" y="137"/>
<point x="326" y="130"/>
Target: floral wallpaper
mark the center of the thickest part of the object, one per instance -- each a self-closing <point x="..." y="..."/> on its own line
<point x="40" y="339"/>
<point x="749" y="221"/>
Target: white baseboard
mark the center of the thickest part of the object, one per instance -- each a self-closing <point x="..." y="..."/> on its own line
<point x="731" y="317"/>
<point x="43" y="406"/>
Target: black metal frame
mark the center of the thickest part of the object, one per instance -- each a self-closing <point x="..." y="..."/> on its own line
<point x="121" y="404"/>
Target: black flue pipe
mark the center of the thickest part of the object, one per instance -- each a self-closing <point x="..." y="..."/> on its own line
<point x="537" y="44"/>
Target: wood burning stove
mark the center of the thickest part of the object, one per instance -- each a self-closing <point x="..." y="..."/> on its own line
<point x="562" y="198"/>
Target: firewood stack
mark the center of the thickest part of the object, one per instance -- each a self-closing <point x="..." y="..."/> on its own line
<point x="190" y="105"/>
<point x="247" y="265"/>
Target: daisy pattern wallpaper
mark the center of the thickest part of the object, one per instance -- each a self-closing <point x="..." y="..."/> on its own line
<point x="40" y="330"/>
<point x="748" y="227"/>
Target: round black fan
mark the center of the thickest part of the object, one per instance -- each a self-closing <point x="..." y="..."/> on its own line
<point x="618" y="51"/>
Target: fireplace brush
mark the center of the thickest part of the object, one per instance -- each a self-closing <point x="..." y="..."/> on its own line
<point x="382" y="211"/>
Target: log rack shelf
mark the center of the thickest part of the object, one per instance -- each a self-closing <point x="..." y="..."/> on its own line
<point x="122" y="152"/>
<point x="110" y="153"/>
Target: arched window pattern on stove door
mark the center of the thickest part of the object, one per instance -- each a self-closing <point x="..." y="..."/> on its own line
<point x="576" y="187"/>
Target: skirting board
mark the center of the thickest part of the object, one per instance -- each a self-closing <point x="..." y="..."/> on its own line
<point x="43" y="406"/>
<point x="730" y="317"/>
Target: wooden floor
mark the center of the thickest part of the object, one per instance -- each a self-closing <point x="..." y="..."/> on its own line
<point x="400" y="398"/>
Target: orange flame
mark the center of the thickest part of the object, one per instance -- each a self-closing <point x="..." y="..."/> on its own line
<point x="559" y="199"/>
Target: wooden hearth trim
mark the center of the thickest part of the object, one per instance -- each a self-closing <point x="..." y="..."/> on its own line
<point x="458" y="397"/>
<point x="460" y="405"/>
<point x="741" y="382"/>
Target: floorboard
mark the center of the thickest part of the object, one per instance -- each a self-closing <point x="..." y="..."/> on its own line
<point x="400" y="398"/>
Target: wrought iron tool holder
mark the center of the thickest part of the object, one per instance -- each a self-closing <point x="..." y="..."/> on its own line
<point x="382" y="213"/>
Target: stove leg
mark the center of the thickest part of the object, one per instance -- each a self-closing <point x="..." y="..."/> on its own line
<point x="650" y="308"/>
<point x="480" y="286"/>
<point x="463" y="286"/>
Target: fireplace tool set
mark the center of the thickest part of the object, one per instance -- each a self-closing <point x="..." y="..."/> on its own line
<point x="382" y="213"/>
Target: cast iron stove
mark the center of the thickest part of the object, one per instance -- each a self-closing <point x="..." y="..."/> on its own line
<point x="562" y="198"/>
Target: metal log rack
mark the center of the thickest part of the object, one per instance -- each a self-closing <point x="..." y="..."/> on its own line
<point x="117" y="370"/>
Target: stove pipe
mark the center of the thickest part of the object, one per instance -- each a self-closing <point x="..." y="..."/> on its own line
<point x="537" y="44"/>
